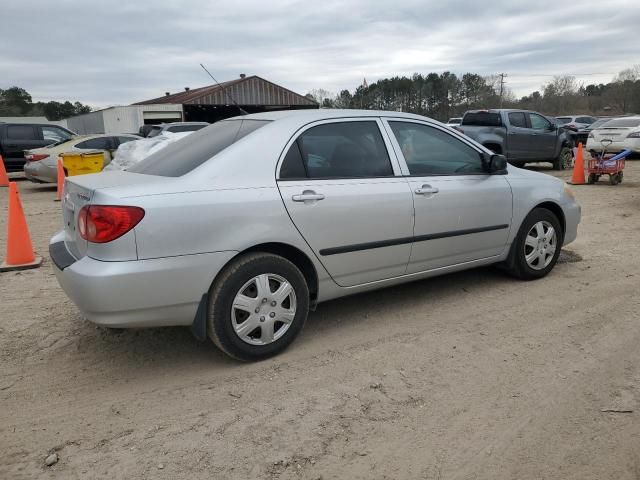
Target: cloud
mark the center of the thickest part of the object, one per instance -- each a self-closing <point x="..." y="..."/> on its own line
<point x="118" y="52"/>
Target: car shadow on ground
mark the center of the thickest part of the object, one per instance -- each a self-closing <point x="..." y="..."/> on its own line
<point x="158" y="347"/>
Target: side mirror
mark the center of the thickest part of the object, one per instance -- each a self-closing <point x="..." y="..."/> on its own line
<point x="495" y="164"/>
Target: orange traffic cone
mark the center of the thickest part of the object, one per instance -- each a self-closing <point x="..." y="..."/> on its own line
<point x="60" y="190"/>
<point x="20" y="254"/>
<point x="578" y="168"/>
<point x="4" y="179"/>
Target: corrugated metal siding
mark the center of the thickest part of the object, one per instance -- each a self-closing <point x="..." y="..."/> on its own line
<point x="248" y="91"/>
<point x="126" y="119"/>
<point x="88" y="123"/>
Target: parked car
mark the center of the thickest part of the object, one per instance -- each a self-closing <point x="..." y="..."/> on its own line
<point x="289" y="209"/>
<point x="582" y="134"/>
<point x="15" y="138"/>
<point x="42" y="163"/>
<point x="575" y="122"/>
<point x="452" y="122"/>
<point x="521" y="135"/>
<point x="618" y="134"/>
<point x="175" y="127"/>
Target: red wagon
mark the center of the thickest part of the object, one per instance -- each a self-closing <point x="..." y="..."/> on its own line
<point x="612" y="165"/>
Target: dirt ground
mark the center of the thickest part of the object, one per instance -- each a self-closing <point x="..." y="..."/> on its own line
<point x="468" y="376"/>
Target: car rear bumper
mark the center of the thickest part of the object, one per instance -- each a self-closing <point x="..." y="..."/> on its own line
<point x="40" y="172"/>
<point x="141" y="293"/>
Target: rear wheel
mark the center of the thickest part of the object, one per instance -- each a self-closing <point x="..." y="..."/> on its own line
<point x="564" y="159"/>
<point x="536" y="248"/>
<point x="592" y="179"/>
<point x="257" y="306"/>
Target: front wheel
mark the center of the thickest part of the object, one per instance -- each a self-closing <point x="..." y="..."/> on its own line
<point x="257" y="306"/>
<point x="535" y="250"/>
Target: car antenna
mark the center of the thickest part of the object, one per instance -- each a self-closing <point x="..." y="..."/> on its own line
<point x="242" y="111"/>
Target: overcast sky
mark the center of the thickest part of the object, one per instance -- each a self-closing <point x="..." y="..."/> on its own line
<point x="117" y="52"/>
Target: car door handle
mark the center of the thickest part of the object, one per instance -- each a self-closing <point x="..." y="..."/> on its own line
<point x="426" y="190"/>
<point x="308" y="196"/>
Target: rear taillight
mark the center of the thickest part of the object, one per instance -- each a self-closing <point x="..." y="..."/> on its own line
<point x="34" y="157"/>
<point x="105" y="223"/>
<point x="571" y="126"/>
<point x="634" y="135"/>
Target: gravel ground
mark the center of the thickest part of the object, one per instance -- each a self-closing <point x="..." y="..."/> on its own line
<point x="468" y="376"/>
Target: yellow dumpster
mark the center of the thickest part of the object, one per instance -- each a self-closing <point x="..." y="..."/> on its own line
<point x="76" y="163"/>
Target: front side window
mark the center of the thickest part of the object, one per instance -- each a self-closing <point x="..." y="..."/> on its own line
<point x="55" y="134"/>
<point x="517" y="119"/>
<point x="21" y="132"/>
<point x="338" y="150"/>
<point x="430" y="151"/>
<point x="538" y="122"/>
<point x="100" y="143"/>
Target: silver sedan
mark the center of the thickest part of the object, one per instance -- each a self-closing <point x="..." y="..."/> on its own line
<point x="241" y="228"/>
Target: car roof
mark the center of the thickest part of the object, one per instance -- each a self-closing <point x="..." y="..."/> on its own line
<point x="312" y="115"/>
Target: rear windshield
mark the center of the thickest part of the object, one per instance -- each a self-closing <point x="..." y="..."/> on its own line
<point x="482" y="119"/>
<point x="623" y="122"/>
<point x="599" y="123"/>
<point x="563" y="120"/>
<point x="192" y="151"/>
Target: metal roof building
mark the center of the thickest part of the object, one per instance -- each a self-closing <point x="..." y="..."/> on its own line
<point x="253" y="94"/>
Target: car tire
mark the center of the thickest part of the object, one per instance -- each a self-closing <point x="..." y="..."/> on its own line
<point x="249" y="290"/>
<point x="529" y="260"/>
<point x="564" y="159"/>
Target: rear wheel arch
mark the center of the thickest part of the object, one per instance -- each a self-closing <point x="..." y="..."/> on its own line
<point x="291" y="253"/>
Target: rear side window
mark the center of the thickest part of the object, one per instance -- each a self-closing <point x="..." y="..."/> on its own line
<point x="122" y="140"/>
<point x="482" y="119"/>
<point x="192" y="151"/>
<point x="155" y="131"/>
<point x="588" y="120"/>
<point x="100" y="143"/>
<point x="185" y="128"/>
<point x="338" y="150"/>
<point x="430" y="151"/>
<point x="517" y="119"/>
<point x="21" y="132"/>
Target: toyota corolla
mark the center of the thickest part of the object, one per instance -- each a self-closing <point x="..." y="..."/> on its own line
<point x="241" y="228"/>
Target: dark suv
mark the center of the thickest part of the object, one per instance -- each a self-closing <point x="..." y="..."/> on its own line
<point x="15" y="138"/>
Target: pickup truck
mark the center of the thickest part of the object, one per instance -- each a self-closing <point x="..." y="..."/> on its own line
<point x="15" y="138"/>
<point x="520" y="135"/>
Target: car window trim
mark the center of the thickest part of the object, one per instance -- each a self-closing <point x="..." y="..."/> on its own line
<point x="403" y="162"/>
<point x="395" y="164"/>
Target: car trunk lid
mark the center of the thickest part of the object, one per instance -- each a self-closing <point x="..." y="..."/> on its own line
<point x="106" y="188"/>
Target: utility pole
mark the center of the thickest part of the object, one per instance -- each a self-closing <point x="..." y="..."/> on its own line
<point x="502" y="75"/>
